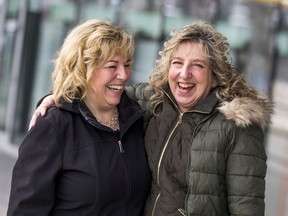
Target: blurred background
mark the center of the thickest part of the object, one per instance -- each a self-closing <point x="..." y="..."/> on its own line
<point x="31" y="31"/>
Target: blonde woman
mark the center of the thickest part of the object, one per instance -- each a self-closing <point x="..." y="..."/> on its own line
<point x="86" y="156"/>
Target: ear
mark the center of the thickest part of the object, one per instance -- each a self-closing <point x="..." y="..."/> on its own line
<point x="214" y="83"/>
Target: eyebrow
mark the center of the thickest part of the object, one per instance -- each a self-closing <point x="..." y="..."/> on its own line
<point x="202" y="61"/>
<point x="115" y="61"/>
<point x="195" y="60"/>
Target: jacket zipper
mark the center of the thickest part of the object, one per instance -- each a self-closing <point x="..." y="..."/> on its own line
<point x="120" y="146"/>
<point x="181" y="211"/>
<point x="179" y="121"/>
<point x="180" y="118"/>
<point x="165" y="146"/>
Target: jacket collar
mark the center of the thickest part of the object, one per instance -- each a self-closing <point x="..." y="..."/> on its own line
<point x="205" y="106"/>
<point x="128" y="109"/>
<point x="243" y="111"/>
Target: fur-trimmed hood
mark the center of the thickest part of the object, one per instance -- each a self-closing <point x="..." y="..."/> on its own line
<point x="245" y="111"/>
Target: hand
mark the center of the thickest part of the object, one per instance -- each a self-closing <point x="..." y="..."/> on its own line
<point x="41" y="109"/>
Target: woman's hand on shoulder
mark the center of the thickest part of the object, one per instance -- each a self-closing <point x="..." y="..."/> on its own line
<point x="41" y="109"/>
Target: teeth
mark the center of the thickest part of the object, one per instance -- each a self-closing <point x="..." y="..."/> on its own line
<point x="116" y="87"/>
<point x="186" y="85"/>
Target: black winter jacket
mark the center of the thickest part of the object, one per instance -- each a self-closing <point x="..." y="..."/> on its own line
<point x="69" y="164"/>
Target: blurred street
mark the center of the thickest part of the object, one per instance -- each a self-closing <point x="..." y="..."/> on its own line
<point x="32" y="31"/>
<point x="8" y="156"/>
<point x="277" y="151"/>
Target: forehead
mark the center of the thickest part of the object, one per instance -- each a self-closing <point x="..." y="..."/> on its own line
<point x="190" y="49"/>
<point x="114" y="59"/>
<point x="117" y="58"/>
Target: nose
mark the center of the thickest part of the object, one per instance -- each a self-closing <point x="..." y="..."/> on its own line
<point x="123" y="73"/>
<point x="185" y="72"/>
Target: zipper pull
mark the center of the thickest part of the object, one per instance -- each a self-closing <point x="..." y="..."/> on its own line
<point x="181" y="211"/>
<point x="120" y="146"/>
<point x="180" y="118"/>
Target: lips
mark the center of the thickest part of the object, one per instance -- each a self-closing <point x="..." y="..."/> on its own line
<point x="116" y="87"/>
<point x="186" y="85"/>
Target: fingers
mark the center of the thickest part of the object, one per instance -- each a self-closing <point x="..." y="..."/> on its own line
<point x="33" y="119"/>
<point x="43" y="107"/>
<point x="41" y="110"/>
<point x="46" y="103"/>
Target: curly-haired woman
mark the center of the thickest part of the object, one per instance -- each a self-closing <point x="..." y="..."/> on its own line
<point x="205" y="141"/>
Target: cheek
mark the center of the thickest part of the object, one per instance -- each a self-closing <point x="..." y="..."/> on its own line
<point x="129" y="73"/>
<point x="205" y="78"/>
<point x="208" y="82"/>
<point x="172" y="75"/>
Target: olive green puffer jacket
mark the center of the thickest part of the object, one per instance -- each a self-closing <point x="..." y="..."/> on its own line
<point x="208" y="161"/>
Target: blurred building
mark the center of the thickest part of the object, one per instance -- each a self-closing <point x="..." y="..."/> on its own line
<point x="31" y="31"/>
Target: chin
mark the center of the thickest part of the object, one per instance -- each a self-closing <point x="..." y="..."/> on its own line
<point x="113" y="102"/>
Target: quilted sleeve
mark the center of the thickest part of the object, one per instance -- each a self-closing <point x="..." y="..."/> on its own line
<point x="245" y="172"/>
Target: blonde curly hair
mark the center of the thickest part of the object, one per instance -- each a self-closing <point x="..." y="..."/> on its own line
<point x="85" y="48"/>
<point x="231" y="82"/>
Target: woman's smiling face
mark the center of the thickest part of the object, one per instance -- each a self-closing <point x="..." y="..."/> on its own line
<point x="108" y="82"/>
<point x="190" y="75"/>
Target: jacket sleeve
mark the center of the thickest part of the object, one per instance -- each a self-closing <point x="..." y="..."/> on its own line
<point x="245" y="172"/>
<point x="34" y="174"/>
<point x="141" y="94"/>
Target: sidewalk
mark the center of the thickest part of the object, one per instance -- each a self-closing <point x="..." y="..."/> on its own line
<point x="8" y="155"/>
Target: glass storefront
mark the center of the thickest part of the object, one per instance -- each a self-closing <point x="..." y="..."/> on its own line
<point x="28" y="47"/>
<point x="9" y="13"/>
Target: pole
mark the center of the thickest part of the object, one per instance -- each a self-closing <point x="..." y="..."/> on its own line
<point x="13" y="93"/>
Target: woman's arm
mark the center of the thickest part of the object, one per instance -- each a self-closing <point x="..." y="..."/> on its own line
<point x="140" y="93"/>
<point x="34" y="174"/>
<point x="137" y="92"/>
<point x="245" y="172"/>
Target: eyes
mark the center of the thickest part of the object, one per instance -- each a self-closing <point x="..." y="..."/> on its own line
<point x="179" y="64"/>
<point x="114" y="65"/>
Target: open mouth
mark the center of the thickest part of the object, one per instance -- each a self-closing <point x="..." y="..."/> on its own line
<point x="116" y="87"/>
<point x="186" y="86"/>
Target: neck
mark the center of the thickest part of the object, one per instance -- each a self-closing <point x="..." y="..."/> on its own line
<point x="105" y="116"/>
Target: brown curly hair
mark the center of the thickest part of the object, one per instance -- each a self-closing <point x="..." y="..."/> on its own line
<point x="231" y="82"/>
